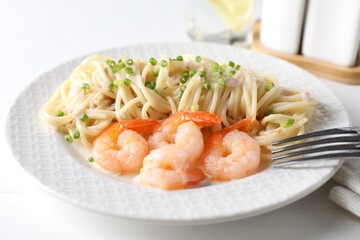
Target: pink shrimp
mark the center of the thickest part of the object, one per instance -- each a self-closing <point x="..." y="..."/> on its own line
<point x="121" y="147"/>
<point x="231" y="153"/>
<point x="177" y="145"/>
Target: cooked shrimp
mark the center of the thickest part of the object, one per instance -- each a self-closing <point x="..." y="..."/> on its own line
<point x="182" y="130"/>
<point x="231" y="153"/>
<point x="168" y="168"/>
<point x="177" y="145"/>
<point x="122" y="147"/>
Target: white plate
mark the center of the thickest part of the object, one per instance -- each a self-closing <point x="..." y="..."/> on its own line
<point x="41" y="151"/>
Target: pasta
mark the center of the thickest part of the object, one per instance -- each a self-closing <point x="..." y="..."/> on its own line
<point x="102" y="90"/>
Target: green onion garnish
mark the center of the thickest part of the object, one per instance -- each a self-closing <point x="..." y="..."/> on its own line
<point x="207" y="86"/>
<point x="269" y="86"/>
<point x="112" y="86"/>
<point x="150" y="85"/>
<point x="289" y="123"/>
<point x="221" y="82"/>
<point x="91" y="159"/>
<point x="129" y="70"/>
<point x="182" y="90"/>
<point x="202" y="74"/>
<point x="198" y="59"/>
<point x="231" y="64"/>
<point x="130" y="61"/>
<point x="156" y="91"/>
<point x="269" y="112"/>
<point x="237" y="67"/>
<point x="156" y="72"/>
<point x="84" y="117"/>
<point x="183" y="80"/>
<point x="116" y="82"/>
<point x="215" y="67"/>
<point x="184" y="77"/>
<point x="153" y="61"/>
<point x="127" y="81"/>
<point x="68" y="138"/>
<point x="111" y="63"/>
<point x="163" y="63"/>
<point x="223" y="68"/>
<point x="179" y="58"/>
<point x="231" y="73"/>
<point x="85" y="86"/>
<point x="76" y="134"/>
<point x="195" y="107"/>
<point x="192" y="72"/>
<point x="215" y="75"/>
<point x="60" y="114"/>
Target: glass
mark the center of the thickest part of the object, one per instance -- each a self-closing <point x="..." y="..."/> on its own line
<point x="223" y="21"/>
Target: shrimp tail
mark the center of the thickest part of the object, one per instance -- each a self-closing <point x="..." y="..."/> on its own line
<point x="141" y="126"/>
<point x="192" y="176"/>
<point x="244" y="125"/>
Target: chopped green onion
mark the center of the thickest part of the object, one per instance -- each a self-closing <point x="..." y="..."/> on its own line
<point x="76" y="134"/>
<point x="184" y="77"/>
<point x="183" y="80"/>
<point x="127" y="81"/>
<point x="269" y="86"/>
<point x="179" y="58"/>
<point x="129" y="70"/>
<point x="192" y="72"/>
<point x="195" y="107"/>
<point x="153" y="61"/>
<point x="130" y="61"/>
<point x="215" y="75"/>
<point x="111" y="63"/>
<point x="202" y="74"/>
<point x="150" y="85"/>
<point x="231" y="64"/>
<point x="156" y="91"/>
<point x="84" y="117"/>
<point x="223" y="68"/>
<point x="207" y="86"/>
<point x="231" y="73"/>
<point x="182" y="90"/>
<point x="215" y="67"/>
<point x="116" y="82"/>
<point x="221" y="82"/>
<point x="68" y="138"/>
<point x="163" y="63"/>
<point x="198" y="59"/>
<point x="91" y="159"/>
<point x="85" y="86"/>
<point x="60" y="114"/>
<point x="112" y="86"/>
<point x="269" y="112"/>
<point x="237" y="67"/>
<point x="156" y="72"/>
<point x="289" y="123"/>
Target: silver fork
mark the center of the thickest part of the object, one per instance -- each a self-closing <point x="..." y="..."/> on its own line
<point x="336" y="143"/>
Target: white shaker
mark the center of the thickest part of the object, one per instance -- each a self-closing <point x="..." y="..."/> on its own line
<point x="281" y="25"/>
<point x="332" y="31"/>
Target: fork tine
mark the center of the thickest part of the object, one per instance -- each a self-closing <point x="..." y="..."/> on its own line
<point x="316" y="134"/>
<point x="318" y="150"/>
<point x="317" y="142"/>
<point x="333" y="156"/>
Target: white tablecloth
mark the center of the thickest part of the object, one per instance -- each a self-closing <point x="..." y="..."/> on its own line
<point x="37" y="35"/>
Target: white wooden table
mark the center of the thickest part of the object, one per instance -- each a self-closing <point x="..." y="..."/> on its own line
<point x="37" y="35"/>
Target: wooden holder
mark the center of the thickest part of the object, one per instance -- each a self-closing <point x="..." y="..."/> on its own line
<point x="349" y="75"/>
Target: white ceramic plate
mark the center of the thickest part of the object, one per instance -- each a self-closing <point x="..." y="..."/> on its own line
<point x="41" y="151"/>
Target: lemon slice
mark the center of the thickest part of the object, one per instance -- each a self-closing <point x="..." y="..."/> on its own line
<point x="234" y="13"/>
